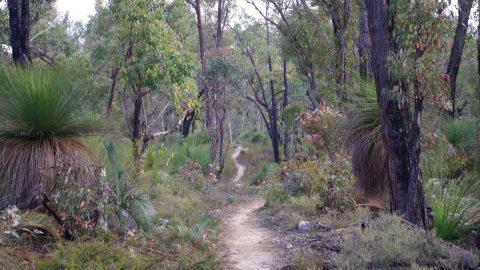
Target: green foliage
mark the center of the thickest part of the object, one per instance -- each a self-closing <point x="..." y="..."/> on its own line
<point x="94" y="255"/>
<point x="460" y="133"/>
<point x="41" y="124"/>
<point x="456" y="209"/>
<point x="255" y="136"/>
<point x="302" y="188"/>
<point x="155" y="57"/>
<point x="362" y="132"/>
<point x="173" y="154"/>
<point x="386" y="243"/>
<point x="41" y="103"/>
<point x="131" y="201"/>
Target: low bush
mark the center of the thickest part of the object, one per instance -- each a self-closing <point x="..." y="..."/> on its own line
<point x="94" y="255"/>
<point x="306" y="188"/>
<point x="387" y="243"/>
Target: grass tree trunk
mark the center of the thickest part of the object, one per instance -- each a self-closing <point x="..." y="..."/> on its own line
<point x="19" y="23"/>
<point x="406" y="189"/>
<point x="464" y="8"/>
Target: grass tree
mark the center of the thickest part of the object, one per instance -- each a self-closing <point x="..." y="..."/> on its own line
<point x="41" y="125"/>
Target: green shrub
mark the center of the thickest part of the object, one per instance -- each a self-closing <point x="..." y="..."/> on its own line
<point x="260" y="173"/>
<point x="255" y="136"/>
<point x="94" y="255"/>
<point x="302" y="189"/>
<point x="456" y="210"/>
<point x="173" y="157"/>
<point x="386" y="243"/>
<point x="460" y="133"/>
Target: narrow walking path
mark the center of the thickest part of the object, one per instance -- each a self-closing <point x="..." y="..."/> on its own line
<point x="248" y="242"/>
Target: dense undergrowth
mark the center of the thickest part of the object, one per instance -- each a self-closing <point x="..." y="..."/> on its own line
<point x="162" y="218"/>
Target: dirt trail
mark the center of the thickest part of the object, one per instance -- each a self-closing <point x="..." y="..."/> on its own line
<point x="248" y="242"/>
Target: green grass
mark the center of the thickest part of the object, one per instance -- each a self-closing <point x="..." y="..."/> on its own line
<point x="456" y="209"/>
<point x="95" y="255"/>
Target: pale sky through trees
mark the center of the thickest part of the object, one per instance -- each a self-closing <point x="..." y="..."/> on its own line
<point x="81" y="10"/>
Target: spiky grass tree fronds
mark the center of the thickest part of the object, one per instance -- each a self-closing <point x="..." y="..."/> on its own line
<point x="460" y="133"/>
<point x="131" y="202"/>
<point x="41" y="125"/>
<point x="455" y="207"/>
<point x="362" y="131"/>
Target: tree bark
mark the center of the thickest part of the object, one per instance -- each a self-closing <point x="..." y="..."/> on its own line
<point x="340" y="13"/>
<point x="406" y="188"/>
<point x="137" y="129"/>
<point x="219" y="35"/>
<point x="364" y="44"/>
<point x="455" y="59"/>
<point x="287" y="136"/>
<point x="114" y="78"/>
<point x="190" y="116"/>
<point x="19" y="22"/>
<point x="274" y="135"/>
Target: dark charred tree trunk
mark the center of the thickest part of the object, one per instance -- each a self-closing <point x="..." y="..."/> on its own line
<point x="364" y="45"/>
<point x="465" y="7"/>
<point x="111" y="98"/>
<point x="137" y="128"/>
<point x="399" y="137"/>
<point x="287" y="136"/>
<point x="19" y="22"/>
<point x="274" y="109"/>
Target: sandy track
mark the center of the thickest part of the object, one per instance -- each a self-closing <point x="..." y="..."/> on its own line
<point x="248" y="242"/>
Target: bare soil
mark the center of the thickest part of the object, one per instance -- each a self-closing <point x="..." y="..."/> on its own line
<point x="249" y="244"/>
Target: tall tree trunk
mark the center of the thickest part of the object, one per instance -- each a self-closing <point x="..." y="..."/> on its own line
<point x="114" y="78"/>
<point x="406" y="188"/>
<point x="464" y="8"/>
<point x="137" y="129"/>
<point x="273" y="114"/>
<point x="340" y="13"/>
<point x="219" y="35"/>
<point x="189" y="118"/>
<point x="340" y="62"/>
<point x="287" y="136"/>
<point x="364" y="45"/>
<point x="19" y="23"/>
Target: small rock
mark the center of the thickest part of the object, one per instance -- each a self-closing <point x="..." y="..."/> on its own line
<point x="304" y="226"/>
<point x="322" y="226"/>
<point x="289" y="246"/>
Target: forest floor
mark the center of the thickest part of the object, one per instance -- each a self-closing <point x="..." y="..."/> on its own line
<point x="249" y="243"/>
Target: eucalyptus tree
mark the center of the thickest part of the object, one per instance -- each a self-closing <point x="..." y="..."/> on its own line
<point x="256" y="42"/>
<point x="404" y="34"/>
<point x="305" y="41"/>
<point x="153" y="60"/>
